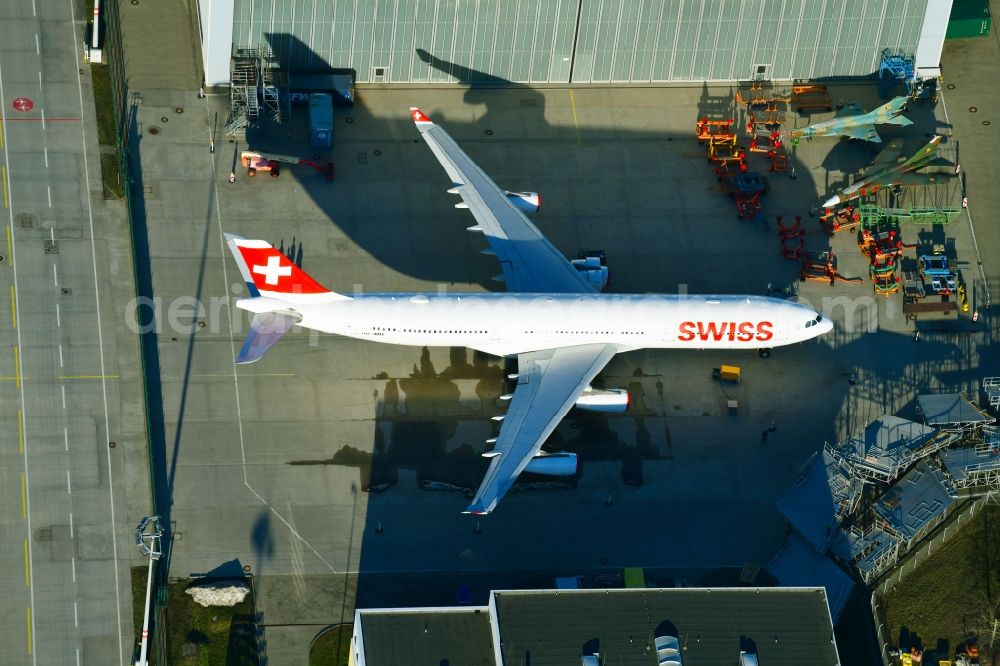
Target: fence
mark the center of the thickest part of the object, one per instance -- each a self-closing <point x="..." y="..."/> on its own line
<point x="958" y="519"/>
<point x="126" y="149"/>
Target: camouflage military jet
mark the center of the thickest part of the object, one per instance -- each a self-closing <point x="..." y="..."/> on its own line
<point x="890" y="169"/>
<point x="854" y="123"/>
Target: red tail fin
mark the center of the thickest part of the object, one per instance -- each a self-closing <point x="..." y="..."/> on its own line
<point x="270" y="271"/>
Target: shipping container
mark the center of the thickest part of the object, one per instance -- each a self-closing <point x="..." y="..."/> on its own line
<point x="320" y="121"/>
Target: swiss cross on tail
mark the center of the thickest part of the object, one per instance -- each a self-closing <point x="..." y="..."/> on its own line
<point x="271" y="271"/>
<point x="420" y="118"/>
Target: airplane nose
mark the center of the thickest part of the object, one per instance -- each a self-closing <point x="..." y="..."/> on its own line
<point x="832" y="201"/>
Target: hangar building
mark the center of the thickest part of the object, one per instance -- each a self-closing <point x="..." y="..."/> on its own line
<point x="575" y="41"/>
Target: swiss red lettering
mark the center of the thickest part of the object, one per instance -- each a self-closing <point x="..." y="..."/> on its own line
<point x="712" y="330"/>
<point x="746" y="331"/>
<point x="742" y="331"/>
<point x="764" y="332"/>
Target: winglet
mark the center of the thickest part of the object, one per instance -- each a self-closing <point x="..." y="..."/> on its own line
<point x="420" y="119"/>
<point x="476" y="510"/>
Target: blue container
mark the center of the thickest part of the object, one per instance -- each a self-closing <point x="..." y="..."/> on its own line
<point x="320" y="121"/>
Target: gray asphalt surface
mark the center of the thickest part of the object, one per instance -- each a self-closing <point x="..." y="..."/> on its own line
<point x="64" y="594"/>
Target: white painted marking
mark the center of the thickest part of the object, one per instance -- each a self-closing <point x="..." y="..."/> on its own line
<point x="49" y="189"/>
<point x="100" y="342"/>
<point x="55" y="278"/>
<point x="39" y="79"/>
<point x="58" y="318"/>
<point x="33" y="12"/>
<point x="70" y="524"/>
<point x="66" y="438"/>
<point x="38" y="45"/>
<point x="78" y="657"/>
<point x="69" y="487"/>
<point x="46" y="149"/>
<point x="24" y="415"/>
<point x="43" y="117"/>
<point x="52" y="230"/>
<point x="76" y="615"/>
<point x="63" y="389"/>
<point x="72" y="562"/>
<point x="60" y="356"/>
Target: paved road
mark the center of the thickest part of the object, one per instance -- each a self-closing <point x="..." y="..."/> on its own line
<point x="64" y="587"/>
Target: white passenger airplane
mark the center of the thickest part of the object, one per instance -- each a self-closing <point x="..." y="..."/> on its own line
<point x="552" y="319"/>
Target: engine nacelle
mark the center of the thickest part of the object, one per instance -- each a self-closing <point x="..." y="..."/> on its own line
<point x="553" y="464"/>
<point x="612" y="401"/>
<point x="594" y="270"/>
<point x="526" y="202"/>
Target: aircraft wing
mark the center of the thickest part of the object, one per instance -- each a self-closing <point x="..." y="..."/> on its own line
<point x="849" y="110"/>
<point x="529" y="261"/>
<point x="549" y="382"/>
<point x="862" y="132"/>
<point x="886" y="157"/>
<point x="911" y="178"/>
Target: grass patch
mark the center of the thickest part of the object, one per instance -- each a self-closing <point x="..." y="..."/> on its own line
<point x="111" y="176"/>
<point x="104" y="104"/>
<point x="333" y="647"/>
<point x="202" y="636"/>
<point x="951" y="593"/>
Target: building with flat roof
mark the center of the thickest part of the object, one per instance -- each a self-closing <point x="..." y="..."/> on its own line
<point x="575" y="41"/>
<point x="560" y="627"/>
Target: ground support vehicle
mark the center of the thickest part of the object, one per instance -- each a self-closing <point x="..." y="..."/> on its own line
<point x="271" y="163"/>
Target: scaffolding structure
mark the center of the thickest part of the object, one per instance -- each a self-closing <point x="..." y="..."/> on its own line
<point x="273" y="85"/>
<point x="991" y="386"/>
<point x="244" y="82"/>
<point x="870" y="550"/>
<point x="887" y="446"/>
<point x="975" y="467"/>
<point x="916" y="503"/>
<point x="825" y="495"/>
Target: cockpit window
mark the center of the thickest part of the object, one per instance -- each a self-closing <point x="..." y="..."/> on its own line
<point x="819" y="318"/>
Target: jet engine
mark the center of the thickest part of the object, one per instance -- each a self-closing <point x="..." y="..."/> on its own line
<point x="553" y="464"/>
<point x="526" y="202"/>
<point x="594" y="268"/>
<point x="612" y="401"/>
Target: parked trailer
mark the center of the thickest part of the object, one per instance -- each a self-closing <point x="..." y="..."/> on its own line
<point x="320" y="121"/>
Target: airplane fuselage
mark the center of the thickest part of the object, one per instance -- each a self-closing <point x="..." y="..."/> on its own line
<point x="505" y="324"/>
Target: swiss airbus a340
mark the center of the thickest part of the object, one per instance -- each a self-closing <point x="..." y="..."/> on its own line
<point x="552" y="319"/>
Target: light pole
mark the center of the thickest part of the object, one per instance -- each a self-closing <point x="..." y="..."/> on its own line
<point x="147" y="538"/>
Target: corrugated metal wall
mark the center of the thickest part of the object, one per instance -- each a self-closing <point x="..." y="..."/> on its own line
<point x="557" y="41"/>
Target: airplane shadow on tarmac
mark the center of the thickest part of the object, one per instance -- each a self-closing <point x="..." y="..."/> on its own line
<point x="583" y="209"/>
<point x="418" y="428"/>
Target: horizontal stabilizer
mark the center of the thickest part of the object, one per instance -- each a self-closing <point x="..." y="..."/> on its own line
<point x="900" y="120"/>
<point x="266" y="328"/>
